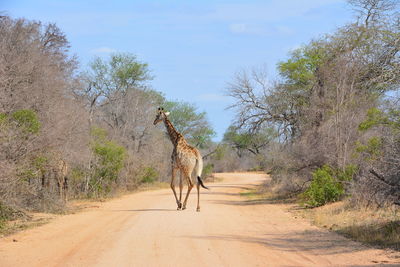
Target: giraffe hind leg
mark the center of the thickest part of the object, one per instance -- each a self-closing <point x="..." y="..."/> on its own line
<point x="190" y="186"/>
<point x="198" y="196"/>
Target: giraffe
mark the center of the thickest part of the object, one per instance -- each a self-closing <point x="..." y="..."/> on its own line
<point x="60" y="172"/>
<point x="184" y="158"/>
<point x="56" y="169"/>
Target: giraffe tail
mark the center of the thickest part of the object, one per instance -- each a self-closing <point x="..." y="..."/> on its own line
<point x="199" y="169"/>
<point x="201" y="183"/>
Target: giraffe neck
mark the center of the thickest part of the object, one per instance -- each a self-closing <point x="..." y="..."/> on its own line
<point x="174" y="135"/>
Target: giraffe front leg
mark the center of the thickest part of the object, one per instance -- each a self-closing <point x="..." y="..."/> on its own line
<point x="180" y="189"/>
<point x="173" y="189"/>
<point x="65" y="185"/>
<point x="190" y="186"/>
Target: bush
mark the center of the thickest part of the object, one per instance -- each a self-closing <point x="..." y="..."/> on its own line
<point x="149" y="175"/>
<point x="8" y="213"/>
<point x="5" y="212"/>
<point x="76" y="180"/>
<point x="327" y="185"/>
<point x="27" y="120"/>
<point x="109" y="161"/>
<point x="110" y="158"/>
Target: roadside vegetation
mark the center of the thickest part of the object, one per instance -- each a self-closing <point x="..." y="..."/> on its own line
<point x="86" y="131"/>
<point x="374" y="226"/>
<point x="332" y="118"/>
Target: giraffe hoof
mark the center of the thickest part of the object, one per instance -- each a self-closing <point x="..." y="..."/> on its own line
<point x="183" y="208"/>
<point x="198" y="209"/>
<point x="179" y="206"/>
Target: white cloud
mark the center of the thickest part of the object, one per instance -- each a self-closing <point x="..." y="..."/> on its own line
<point x="103" y="50"/>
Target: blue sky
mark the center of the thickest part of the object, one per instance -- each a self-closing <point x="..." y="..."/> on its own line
<point x="192" y="47"/>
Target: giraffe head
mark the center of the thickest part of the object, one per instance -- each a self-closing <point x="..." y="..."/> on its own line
<point x="161" y="115"/>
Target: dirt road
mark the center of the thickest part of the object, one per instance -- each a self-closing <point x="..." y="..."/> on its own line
<point x="144" y="229"/>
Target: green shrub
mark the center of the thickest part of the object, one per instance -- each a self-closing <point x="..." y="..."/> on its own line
<point x="111" y="158"/>
<point x="6" y="213"/>
<point x="109" y="161"/>
<point x="77" y="175"/>
<point x="149" y="175"/>
<point x="27" y="120"/>
<point x="327" y="185"/>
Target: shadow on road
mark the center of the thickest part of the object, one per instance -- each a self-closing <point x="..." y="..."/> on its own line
<point x="308" y="241"/>
<point x="243" y="187"/>
<point x="378" y="263"/>
<point x="140" y="210"/>
<point x="259" y="201"/>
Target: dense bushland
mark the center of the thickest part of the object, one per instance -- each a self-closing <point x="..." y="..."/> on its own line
<point x="335" y="110"/>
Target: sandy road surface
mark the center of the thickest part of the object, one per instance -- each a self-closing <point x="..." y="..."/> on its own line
<point x="144" y="229"/>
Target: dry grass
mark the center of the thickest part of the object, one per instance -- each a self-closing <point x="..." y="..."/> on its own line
<point x="262" y="196"/>
<point x="30" y="221"/>
<point x="378" y="227"/>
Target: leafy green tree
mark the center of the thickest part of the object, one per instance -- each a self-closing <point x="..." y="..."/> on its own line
<point x="190" y="123"/>
<point x="245" y="141"/>
<point x="300" y="69"/>
<point x="109" y="81"/>
<point x="121" y="72"/>
<point x="377" y="117"/>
